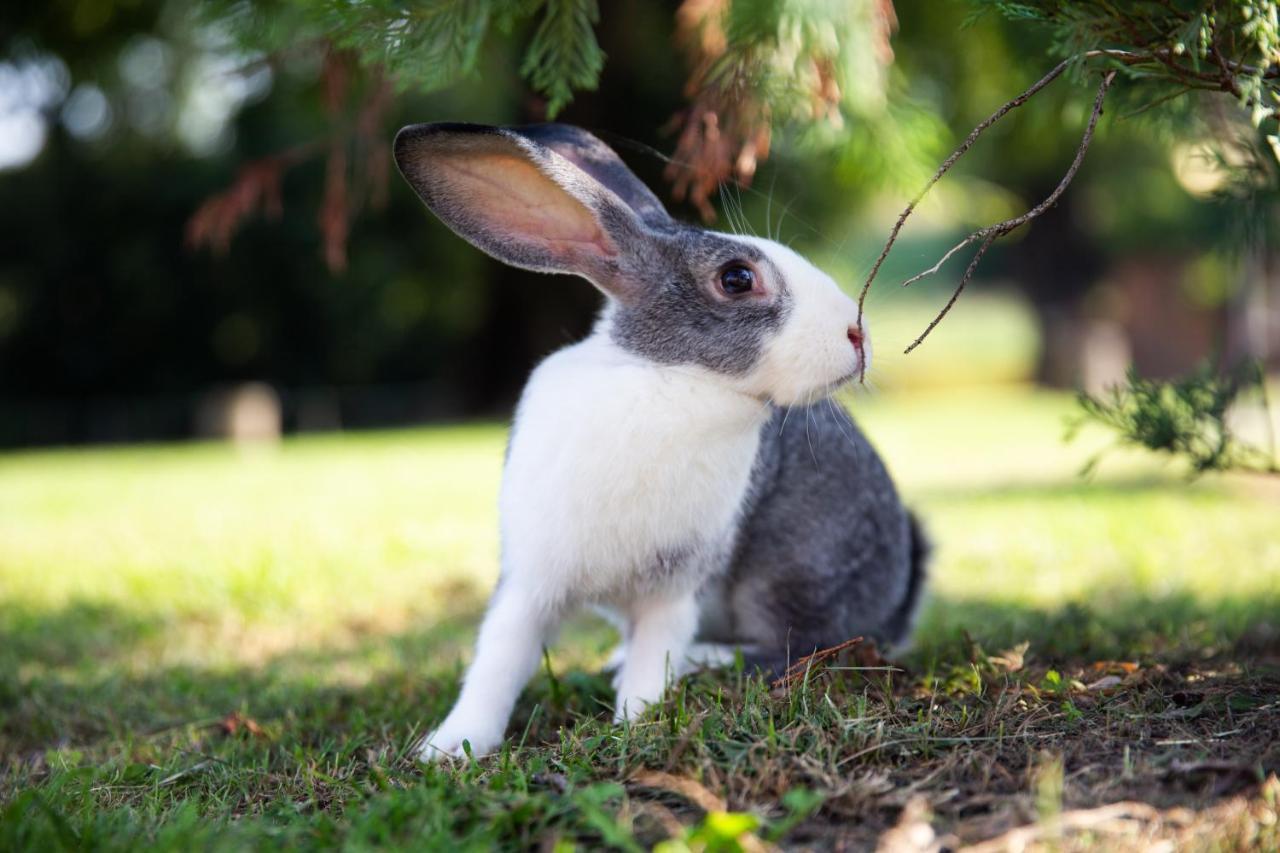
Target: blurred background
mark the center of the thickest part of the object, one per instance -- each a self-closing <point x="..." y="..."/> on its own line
<point x="315" y="293"/>
<point x="202" y="237"/>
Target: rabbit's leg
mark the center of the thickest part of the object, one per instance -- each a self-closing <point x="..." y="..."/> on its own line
<point x="699" y="656"/>
<point x="661" y="630"/>
<point x="619" y="654"/>
<point x="507" y="653"/>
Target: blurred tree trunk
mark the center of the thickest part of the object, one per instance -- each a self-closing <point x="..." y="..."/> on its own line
<point x="1253" y="314"/>
<point x="527" y="316"/>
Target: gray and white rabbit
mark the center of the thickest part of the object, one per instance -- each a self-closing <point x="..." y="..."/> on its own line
<point x="672" y="467"/>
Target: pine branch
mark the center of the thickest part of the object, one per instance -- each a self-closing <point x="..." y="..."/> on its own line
<point x="1186" y="418"/>
<point x="756" y="66"/>
<point x="564" y="55"/>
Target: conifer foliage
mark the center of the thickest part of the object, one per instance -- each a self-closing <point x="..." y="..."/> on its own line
<point x="754" y="66"/>
<point x="1230" y="46"/>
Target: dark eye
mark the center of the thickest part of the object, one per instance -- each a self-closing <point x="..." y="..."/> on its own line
<point x="737" y="279"/>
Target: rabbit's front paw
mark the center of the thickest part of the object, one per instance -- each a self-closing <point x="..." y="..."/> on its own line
<point x="446" y="743"/>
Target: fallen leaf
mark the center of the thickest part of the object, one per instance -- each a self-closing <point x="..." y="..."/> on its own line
<point x="797" y="671"/>
<point x="235" y="721"/>
<point x="693" y="791"/>
<point x="1011" y="660"/>
<point x="1128" y="667"/>
<point x="914" y="831"/>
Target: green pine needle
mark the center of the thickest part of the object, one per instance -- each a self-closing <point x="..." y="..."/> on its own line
<point x="564" y="55"/>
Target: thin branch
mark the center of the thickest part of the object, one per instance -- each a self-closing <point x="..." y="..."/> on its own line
<point x="1158" y="102"/>
<point x="946" y="166"/>
<point x="1190" y="77"/>
<point x="1125" y="57"/>
<point x="991" y="233"/>
<point x="801" y="668"/>
<point x="964" y="280"/>
<point x="1001" y="228"/>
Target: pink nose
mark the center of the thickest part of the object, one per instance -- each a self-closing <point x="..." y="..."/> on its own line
<point x="855" y="338"/>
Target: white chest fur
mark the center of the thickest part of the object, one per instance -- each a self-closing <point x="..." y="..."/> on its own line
<point x="622" y="474"/>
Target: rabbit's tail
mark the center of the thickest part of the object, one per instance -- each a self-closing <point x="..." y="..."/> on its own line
<point x="898" y="628"/>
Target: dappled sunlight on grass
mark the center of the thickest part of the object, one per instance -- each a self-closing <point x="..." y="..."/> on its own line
<point x="321" y="534"/>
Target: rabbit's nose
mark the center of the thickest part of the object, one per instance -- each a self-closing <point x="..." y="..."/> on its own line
<point x="855" y="338"/>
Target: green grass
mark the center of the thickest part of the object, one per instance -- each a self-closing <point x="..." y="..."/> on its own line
<point x="152" y="599"/>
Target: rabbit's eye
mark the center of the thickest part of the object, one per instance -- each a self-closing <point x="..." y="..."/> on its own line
<point x="737" y="279"/>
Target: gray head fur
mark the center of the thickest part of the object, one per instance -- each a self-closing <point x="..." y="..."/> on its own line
<point x="655" y="269"/>
<point x="677" y="321"/>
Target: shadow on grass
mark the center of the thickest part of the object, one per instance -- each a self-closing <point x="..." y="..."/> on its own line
<point x="81" y="689"/>
<point x="1113" y="624"/>
<point x="102" y="748"/>
<point x="81" y="631"/>
<point x="79" y="678"/>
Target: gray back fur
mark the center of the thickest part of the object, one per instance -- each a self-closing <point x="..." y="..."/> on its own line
<point x="826" y="551"/>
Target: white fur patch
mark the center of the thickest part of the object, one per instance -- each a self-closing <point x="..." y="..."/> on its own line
<point x="617" y="464"/>
<point x="622" y="486"/>
<point x="811" y="353"/>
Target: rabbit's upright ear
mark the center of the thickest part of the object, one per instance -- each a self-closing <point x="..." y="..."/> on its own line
<point x="548" y="198"/>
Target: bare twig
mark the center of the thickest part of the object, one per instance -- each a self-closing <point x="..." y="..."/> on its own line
<point x="955" y="294"/>
<point x="174" y="777"/>
<point x="355" y="153"/>
<point x="946" y="166"/>
<point x="798" y="670"/>
<point x="1125" y="57"/>
<point x="1192" y="78"/>
<point x="991" y="233"/>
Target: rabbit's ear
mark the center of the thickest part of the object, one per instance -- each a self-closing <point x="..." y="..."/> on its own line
<point x="598" y="160"/>
<point x="519" y="200"/>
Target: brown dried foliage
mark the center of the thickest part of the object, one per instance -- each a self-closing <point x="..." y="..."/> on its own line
<point x="862" y="651"/>
<point x="256" y="187"/>
<point x="236" y="722"/>
<point x="333" y="218"/>
<point x="357" y="167"/>
<point x="727" y="128"/>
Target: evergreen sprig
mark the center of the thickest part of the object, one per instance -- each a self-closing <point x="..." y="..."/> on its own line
<point x="564" y="55"/>
<point x="422" y="46"/>
<point x="1217" y="45"/>
<point x="428" y="45"/>
<point x="1186" y="418"/>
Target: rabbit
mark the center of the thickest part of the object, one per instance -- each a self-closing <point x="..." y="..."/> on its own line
<point x="676" y="466"/>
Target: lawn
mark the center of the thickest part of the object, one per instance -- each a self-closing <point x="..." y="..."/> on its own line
<point x="205" y="647"/>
